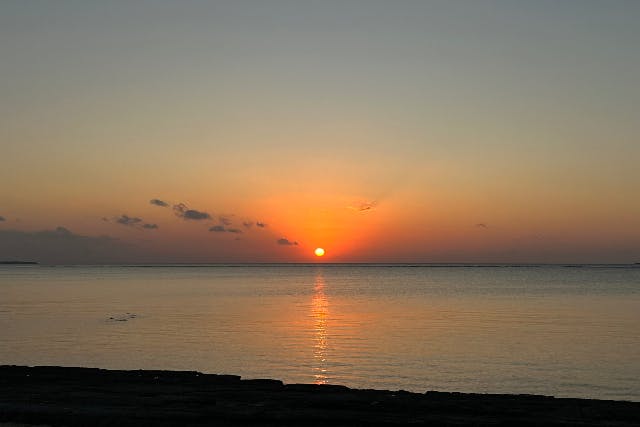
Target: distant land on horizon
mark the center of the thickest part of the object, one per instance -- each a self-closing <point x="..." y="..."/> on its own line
<point x="328" y="264"/>
<point x="19" y="262"/>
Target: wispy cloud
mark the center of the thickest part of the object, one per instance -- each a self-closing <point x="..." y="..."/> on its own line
<point x="159" y="202"/>
<point x="184" y="212"/>
<point x="286" y="242"/>
<point x="364" y="206"/>
<point x="134" y="222"/>
<point x="224" y="219"/>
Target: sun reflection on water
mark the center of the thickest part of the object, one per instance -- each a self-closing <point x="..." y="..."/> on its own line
<point x="320" y="313"/>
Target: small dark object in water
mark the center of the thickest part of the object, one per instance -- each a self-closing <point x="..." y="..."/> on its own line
<point x="122" y="318"/>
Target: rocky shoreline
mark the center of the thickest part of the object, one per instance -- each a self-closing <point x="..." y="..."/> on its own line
<point x="59" y="396"/>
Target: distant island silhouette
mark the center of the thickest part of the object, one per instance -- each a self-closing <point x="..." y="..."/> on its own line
<point x="19" y="262"/>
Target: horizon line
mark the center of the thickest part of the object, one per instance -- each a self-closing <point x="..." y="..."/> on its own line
<point x="259" y="264"/>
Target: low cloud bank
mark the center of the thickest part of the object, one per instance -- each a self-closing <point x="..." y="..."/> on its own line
<point x="62" y="246"/>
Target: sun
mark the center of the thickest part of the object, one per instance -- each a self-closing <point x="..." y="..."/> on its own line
<point x="319" y="252"/>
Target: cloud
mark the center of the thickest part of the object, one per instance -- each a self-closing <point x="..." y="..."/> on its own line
<point x="286" y="242"/>
<point x="222" y="229"/>
<point x="249" y="224"/>
<point x="482" y="225"/>
<point x="61" y="246"/>
<point x="197" y="215"/>
<point x="159" y="202"/>
<point x="184" y="212"/>
<point x="133" y="222"/>
<point x="224" y="219"/>
<point x="2" y="218"/>
<point x="365" y="206"/>
<point x="128" y="221"/>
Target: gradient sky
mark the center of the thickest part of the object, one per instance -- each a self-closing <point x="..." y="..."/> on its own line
<point x="404" y="131"/>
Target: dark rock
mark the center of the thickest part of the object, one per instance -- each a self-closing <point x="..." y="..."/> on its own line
<point x="60" y="396"/>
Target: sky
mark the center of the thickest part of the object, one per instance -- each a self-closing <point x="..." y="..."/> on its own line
<point x="256" y="131"/>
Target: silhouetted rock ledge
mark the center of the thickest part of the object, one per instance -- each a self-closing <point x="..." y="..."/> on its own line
<point x="57" y="396"/>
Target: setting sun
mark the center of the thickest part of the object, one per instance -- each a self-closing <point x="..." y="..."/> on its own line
<point x="319" y="252"/>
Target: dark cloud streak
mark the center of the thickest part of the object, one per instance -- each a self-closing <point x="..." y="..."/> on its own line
<point x="223" y="229"/>
<point x="366" y="206"/>
<point x="158" y="202"/>
<point x="133" y="222"/>
<point x="184" y="212"/>
<point x="286" y="242"/>
<point x="128" y="221"/>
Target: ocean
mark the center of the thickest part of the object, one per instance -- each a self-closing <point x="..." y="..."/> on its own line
<point x="562" y="330"/>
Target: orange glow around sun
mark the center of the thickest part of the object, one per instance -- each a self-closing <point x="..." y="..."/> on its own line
<point x="319" y="252"/>
<point x="323" y="219"/>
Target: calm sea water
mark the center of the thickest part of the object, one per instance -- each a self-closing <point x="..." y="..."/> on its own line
<point x="555" y="330"/>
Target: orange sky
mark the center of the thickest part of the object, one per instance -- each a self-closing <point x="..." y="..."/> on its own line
<point x="401" y="132"/>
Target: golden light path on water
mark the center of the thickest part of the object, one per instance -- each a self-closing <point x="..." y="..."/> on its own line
<point x="319" y="313"/>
